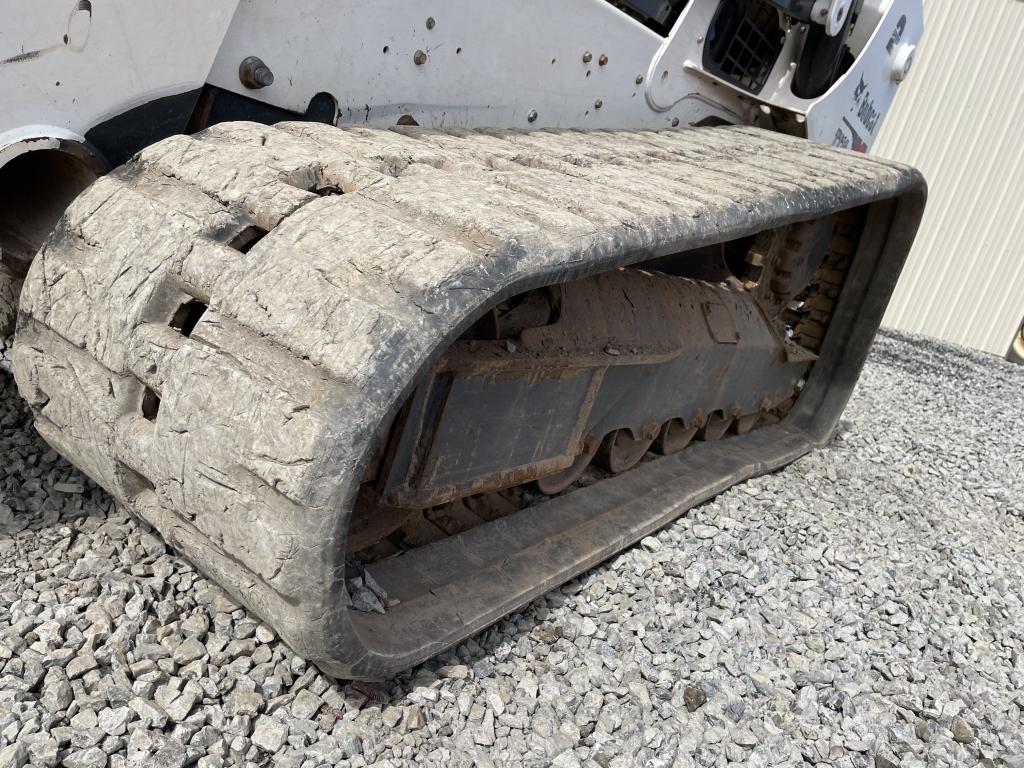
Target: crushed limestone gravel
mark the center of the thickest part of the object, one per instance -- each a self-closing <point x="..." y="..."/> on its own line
<point x="862" y="607"/>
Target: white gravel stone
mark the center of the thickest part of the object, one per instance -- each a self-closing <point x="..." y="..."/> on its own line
<point x="13" y="756"/>
<point x="93" y="757"/>
<point x="79" y="665"/>
<point x="269" y="734"/>
<point x="412" y="719"/>
<point x="114" y="722"/>
<point x="306" y="704"/>
<point x="57" y="693"/>
<point x="190" y="650"/>
<point x="485" y="732"/>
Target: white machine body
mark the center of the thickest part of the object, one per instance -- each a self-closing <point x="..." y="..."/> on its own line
<point x="100" y="79"/>
<point x="71" y="65"/>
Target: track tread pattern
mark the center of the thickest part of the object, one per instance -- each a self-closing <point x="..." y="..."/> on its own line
<point x="380" y="248"/>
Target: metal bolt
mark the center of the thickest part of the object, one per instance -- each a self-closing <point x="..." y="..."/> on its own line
<point x="420" y="58"/>
<point x="598" y="104"/>
<point x="254" y="74"/>
<point x="532" y="116"/>
<point x="602" y="59"/>
<point x="639" y="79"/>
<point x="675" y="122"/>
<point x="430" y="22"/>
<point x="587" y="56"/>
<point x="902" y="62"/>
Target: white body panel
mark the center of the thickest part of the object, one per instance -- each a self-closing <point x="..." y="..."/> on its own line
<point x="497" y="64"/>
<point x="67" y="66"/>
<point x="488" y="63"/>
<point x="849" y="115"/>
<point x="852" y="113"/>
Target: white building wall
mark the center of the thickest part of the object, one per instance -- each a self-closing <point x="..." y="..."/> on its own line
<point x="960" y="119"/>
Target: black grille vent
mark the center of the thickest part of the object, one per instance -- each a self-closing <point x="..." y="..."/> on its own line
<point x="743" y="43"/>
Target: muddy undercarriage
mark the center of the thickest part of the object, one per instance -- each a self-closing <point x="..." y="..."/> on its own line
<point x="565" y="385"/>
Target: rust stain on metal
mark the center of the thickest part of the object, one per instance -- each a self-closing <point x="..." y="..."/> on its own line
<point x="416" y="498"/>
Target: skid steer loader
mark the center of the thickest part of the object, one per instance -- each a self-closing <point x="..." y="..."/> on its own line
<point x="392" y="316"/>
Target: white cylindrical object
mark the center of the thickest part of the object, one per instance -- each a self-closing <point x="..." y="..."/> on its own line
<point x="902" y="61"/>
<point x="831" y="14"/>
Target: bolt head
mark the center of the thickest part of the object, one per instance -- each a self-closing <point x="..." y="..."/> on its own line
<point x="430" y="22"/>
<point x="675" y="122"/>
<point x="602" y="60"/>
<point x="598" y="104"/>
<point x="831" y="14"/>
<point x="587" y="56"/>
<point x="264" y="76"/>
<point x="903" y="62"/>
<point x="639" y="79"/>
<point x="532" y="115"/>
<point x="419" y="58"/>
<point x="254" y="74"/>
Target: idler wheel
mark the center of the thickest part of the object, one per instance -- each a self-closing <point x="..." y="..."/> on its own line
<point x="559" y="481"/>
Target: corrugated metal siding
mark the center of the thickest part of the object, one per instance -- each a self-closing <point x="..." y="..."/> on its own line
<point x="960" y="119"/>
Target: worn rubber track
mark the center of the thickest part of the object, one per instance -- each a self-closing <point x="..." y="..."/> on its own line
<point x="334" y="266"/>
<point x="10" y="287"/>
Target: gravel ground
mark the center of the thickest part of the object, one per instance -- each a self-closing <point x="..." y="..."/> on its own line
<point x="862" y="607"/>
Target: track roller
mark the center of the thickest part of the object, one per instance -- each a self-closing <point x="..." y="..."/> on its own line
<point x="744" y="423"/>
<point x="674" y="436"/>
<point x="714" y="427"/>
<point x="620" y="451"/>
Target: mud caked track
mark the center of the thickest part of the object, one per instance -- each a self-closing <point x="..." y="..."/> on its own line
<point x="248" y="334"/>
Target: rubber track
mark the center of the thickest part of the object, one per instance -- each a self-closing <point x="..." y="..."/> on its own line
<point x="10" y="287"/>
<point x="381" y="247"/>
